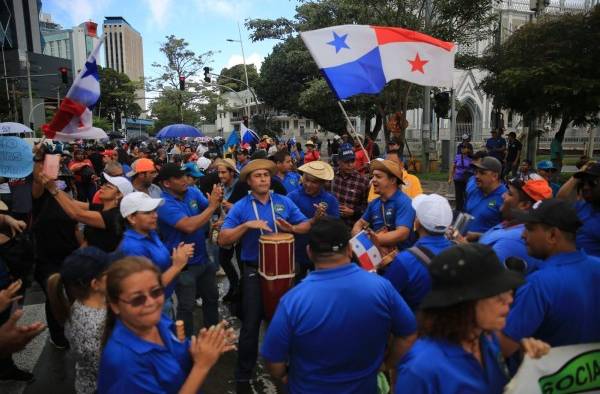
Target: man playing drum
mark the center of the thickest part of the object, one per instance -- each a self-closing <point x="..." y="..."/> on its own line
<point x="260" y="212"/>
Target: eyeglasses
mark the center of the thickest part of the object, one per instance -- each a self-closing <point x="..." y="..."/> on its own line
<point x="141" y="299"/>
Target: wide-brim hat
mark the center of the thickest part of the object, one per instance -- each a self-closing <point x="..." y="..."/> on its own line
<point x="257" y="164"/>
<point x="319" y="169"/>
<point x="227" y="162"/>
<point x="309" y="142"/>
<point x="468" y="272"/>
<point x="389" y="167"/>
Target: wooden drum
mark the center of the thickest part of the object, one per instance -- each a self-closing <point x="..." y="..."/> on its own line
<point x="276" y="268"/>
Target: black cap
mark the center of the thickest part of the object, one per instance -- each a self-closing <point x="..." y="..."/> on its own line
<point x="259" y="154"/>
<point x="170" y="170"/>
<point x="86" y="264"/>
<point x="592" y="171"/>
<point x="468" y="272"/>
<point x="328" y="235"/>
<point x="489" y="163"/>
<point x="553" y="212"/>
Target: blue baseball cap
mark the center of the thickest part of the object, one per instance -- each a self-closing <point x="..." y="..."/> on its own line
<point x="192" y="170"/>
<point x="346" y="152"/>
<point x="545" y="165"/>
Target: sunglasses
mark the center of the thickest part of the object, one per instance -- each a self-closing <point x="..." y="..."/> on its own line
<point x="141" y="299"/>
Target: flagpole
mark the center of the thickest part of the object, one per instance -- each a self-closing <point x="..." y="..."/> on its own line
<point x="353" y="131"/>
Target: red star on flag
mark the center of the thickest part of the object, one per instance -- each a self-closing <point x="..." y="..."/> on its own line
<point x="417" y="64"/>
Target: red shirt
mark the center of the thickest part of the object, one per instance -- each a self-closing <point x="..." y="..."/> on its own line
<point x="313" y="155"/>
<point x="361" y="161"/>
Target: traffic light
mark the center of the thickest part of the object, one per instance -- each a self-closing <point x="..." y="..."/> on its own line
<point x="441" y="104"/>
<point x="181" y="82"/>
<point x="64" y="75"/>
<point x="206" y="74"/>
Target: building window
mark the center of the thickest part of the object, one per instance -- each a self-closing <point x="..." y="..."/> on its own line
<point x="308" y="124"/>
<point x="295" y="124"/>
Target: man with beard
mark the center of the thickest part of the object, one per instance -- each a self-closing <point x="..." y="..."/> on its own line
<point x="506" y="237"/>
<point x="560" y="302"/>
<point x="587" y="184"/>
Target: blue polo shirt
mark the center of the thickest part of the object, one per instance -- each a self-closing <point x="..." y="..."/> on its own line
<point x="130" y="364"/>
<point x="507" y="242"/>
<point x="306" y="204"/>
<point x="151" y="247"/>
<point x="409" y="275"/>
<point x="398" y="212"/>
<point x="436" y="366"/>
<point x="291" y="181"/>
<point x="242" y="212"/>
<point x="485" y="209"/>
<point x="559" y="303"/>
<point x="588" y="236"/>
<point x="172" y="211"/>
<point x="332" y="330"/>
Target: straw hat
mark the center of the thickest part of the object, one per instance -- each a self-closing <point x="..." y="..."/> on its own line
<point x="318" y="169"/>
<point x="258" y="164"/>
<point x="388" y="167"/>
<point x="227" y="162"/>
<point x="309" y="142"/>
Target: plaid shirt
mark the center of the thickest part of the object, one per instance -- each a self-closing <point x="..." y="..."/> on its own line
<point x="351" y="190"/>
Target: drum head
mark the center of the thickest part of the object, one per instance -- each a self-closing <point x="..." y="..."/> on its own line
<point x="277" y="237"/>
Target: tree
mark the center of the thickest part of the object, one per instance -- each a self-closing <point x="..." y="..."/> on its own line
<point x="549" y="68"/>
<point x="228" y="77"/>
<point x="166" y="110"/>
<point x="118" y="95"/>
<point x="461" y="21"/>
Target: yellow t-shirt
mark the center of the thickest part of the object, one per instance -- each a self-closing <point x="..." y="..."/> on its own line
<point x="412" y="187"/>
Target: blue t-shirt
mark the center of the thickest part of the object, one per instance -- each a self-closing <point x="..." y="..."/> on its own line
<point x="151" y="247"/>
<point x="130" y="364"/>
<point x="306" y="205"/>
<point x="397" y="212"/>
<point x="291" y="181"/>
<point x="332" y="330"/>
<point x="242" y="212"/>
<point x="507" y="242"/>
<point x="559" y="303"/>
<point x="409" y="275"/>
<point x="435" y="366"/>
<point x="485" y="209"/>
<point x="588" y="236"/>
<point x="172" y="211"/>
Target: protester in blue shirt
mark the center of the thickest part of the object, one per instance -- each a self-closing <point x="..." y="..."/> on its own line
<point x="141" y="239"/>
<point x="141" y="353"/>
<point x="547" y="170"/>
<point x="457" y="350"/>
<point x="329" y="333"/>
<point x="183" y="218"/>
<point x="408" y="271"/>
<point x="506" y="238"/>
<point x="242" y="158"/>
<point x="496" y="146"/>
<point x="584" y="189"/>
<point x="310" y="198"/>
<point x="560" y="303"/>
<point x="390" y="216"/>
<point x="259" y="212"/>
<point x="285" y="174"/>
<point x="484" y="197"/>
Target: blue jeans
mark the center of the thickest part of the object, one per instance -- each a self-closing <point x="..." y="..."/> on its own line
<point x="197" y="280"/>
<point x="252" y="316"/>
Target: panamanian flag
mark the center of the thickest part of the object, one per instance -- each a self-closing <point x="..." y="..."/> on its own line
<point x="362" y="59"/>
<point x="248" y="136"/>
<point x="73" y="120"/>
<point x="367" y="253"/>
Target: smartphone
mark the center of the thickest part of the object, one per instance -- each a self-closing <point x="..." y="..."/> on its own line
<point x="51" y="164"/>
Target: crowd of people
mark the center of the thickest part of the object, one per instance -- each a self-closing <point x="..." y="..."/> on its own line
<point x="127" y="241"/>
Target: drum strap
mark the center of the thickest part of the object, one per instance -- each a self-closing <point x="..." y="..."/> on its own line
<point x="272" y="213"/>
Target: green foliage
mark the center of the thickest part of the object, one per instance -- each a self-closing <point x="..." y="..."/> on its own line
<point x="167" y="109"/>
<point x="118" y="95"/>
<point x="237" y="72"/>
<point x="102" y="123"/>
<point x="549" y="68"/>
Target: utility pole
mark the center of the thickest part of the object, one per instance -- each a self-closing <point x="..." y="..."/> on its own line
<point x="426" y="123"/>
<point x="31" y="124"/>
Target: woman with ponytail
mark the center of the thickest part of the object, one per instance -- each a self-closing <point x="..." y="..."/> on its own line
<point x="77" y="298"/>
<point x="141" y="352"/>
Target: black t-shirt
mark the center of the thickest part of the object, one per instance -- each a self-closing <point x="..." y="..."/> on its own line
<point x="109" y="238"/>
<point x="53" y="229"/>
<point x="513" y="148"/>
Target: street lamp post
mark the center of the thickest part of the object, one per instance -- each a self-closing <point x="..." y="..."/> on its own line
<point x="244" y="60"/>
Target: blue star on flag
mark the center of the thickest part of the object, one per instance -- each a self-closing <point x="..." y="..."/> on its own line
<point x="339" y="42"/>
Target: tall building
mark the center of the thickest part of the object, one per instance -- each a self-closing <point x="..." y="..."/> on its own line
<point x="124" y="51"/>
<point x="20" y="20"/>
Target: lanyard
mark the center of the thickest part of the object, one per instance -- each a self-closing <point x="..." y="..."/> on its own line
<point x="272" y="213"/>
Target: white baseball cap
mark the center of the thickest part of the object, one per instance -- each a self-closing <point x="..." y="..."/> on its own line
<point x="433" y="211"/>
<point x="465" y="136"/>
<point x="120" y="182"/>
<point x="139" y="202"/>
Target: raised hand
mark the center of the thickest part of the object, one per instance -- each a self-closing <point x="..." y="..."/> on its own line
<point x="14" y="338"/>
<point x="210" y="344"/>
<point x="181" y="254"/>
<point x="216" y="195"/>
